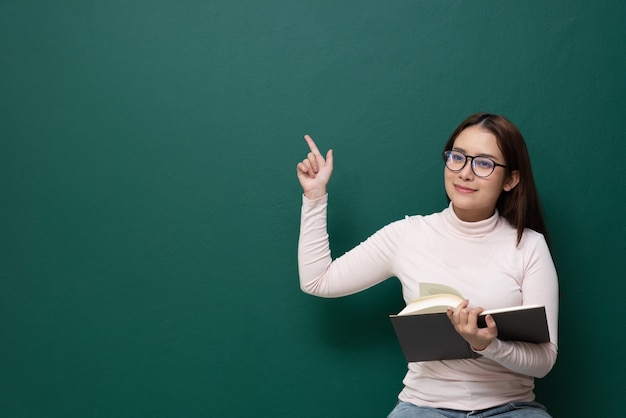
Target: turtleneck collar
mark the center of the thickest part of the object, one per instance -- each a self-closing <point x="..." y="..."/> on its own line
<point x="464" y="229"/>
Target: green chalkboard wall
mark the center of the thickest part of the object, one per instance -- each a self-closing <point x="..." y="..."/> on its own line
<point x="149" y="211"/>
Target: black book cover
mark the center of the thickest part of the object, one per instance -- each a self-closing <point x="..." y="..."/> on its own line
<point x="426" y="337"/>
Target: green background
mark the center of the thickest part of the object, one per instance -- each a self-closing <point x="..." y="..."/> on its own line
<point x="150" y="209"/>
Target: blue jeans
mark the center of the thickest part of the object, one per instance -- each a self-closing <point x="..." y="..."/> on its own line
<point x="510" y="410"/>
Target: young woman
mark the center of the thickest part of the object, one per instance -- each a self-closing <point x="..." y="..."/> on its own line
<point x="489" y="244"/>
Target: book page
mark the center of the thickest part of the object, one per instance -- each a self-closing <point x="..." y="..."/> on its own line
<point x="431" y="304"/>
<point x="511" y="309"/>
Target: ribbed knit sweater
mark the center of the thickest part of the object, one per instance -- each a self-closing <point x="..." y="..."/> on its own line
<point x="481" y="260"/>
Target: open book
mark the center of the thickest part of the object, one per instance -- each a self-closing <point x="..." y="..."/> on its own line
<point x="425" y="333"/>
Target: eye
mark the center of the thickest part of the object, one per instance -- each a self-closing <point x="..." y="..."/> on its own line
<point x="483" y="163"/>
<point x="457" y="157"/>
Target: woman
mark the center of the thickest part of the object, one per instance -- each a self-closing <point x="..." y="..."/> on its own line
<point x="489" y="244"/>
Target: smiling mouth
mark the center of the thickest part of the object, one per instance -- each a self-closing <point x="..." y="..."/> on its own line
<point x="463" y="189"/>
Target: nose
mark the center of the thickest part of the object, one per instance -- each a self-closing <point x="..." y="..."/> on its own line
<point x="467" y="172"/>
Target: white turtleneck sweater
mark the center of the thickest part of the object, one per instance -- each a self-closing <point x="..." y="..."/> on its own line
<point x="479" y="259"/>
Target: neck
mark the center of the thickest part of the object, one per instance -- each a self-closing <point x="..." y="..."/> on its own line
<point x="473" y="215"/>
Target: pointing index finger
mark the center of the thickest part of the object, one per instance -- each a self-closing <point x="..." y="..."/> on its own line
<point x="312" y="145"/>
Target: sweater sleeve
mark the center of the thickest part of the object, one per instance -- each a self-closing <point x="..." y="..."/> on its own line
<point x="367" y="264"/>
<point x="539" y="287"/>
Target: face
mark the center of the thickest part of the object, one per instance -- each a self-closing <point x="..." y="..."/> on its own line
<point x="474" y="198"/>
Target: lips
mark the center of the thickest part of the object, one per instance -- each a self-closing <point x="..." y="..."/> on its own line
<point x="463" y="189"/>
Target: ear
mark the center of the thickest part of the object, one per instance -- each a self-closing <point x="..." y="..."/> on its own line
<point x="511" y="181"/>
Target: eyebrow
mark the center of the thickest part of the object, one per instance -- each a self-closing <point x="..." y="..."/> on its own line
<point x="493" y="157"/>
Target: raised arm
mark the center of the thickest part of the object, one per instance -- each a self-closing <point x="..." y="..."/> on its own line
<point x="364" y="266"/>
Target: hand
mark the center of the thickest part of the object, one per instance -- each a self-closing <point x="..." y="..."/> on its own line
<point x="465" y="321"/>
<point x="314" y="171"/>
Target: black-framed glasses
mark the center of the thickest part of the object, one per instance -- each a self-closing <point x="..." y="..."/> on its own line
<point x="481" y="166"/>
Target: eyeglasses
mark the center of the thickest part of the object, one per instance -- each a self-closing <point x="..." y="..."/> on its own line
<point x="481" y="166"/>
